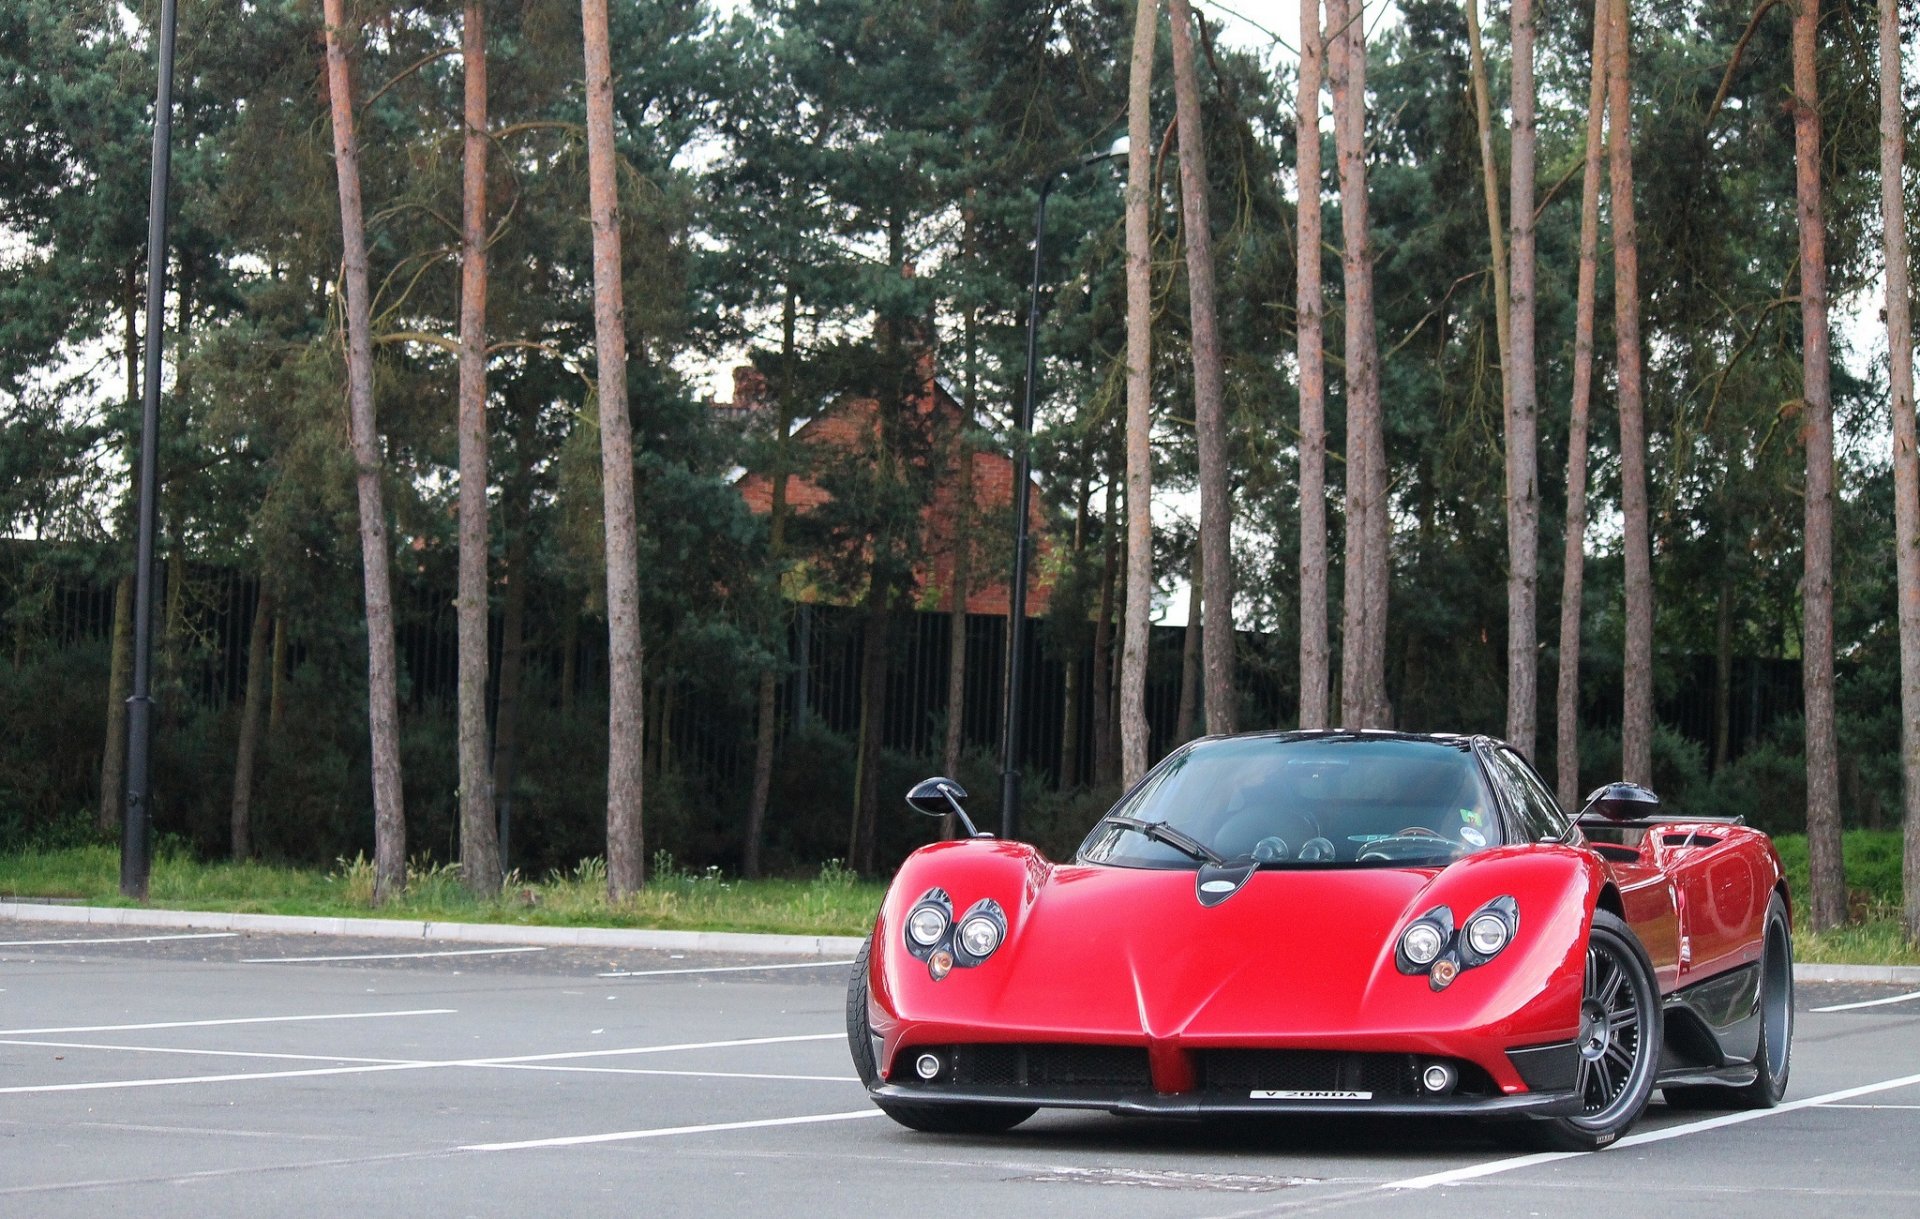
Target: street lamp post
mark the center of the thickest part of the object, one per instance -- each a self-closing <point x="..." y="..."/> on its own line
<point x="1022" y="502"/>
<point x="136" y="835"/>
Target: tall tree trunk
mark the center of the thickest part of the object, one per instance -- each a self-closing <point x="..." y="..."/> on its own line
<point x="383" y="701"/>
<point x="1490" y="188"/>
<point x="1209" y="392"/>
<point x="1566" y="754"/>
<point x="1310" y="312"/>
<point x="479" y="833"/>
<point x="506" y="712"/>
<point x="1105" y="765"/>
<point x="1070" y="773"/>
<point x="873" y="718"/>
<point x="1190" y="648"/>
<point x="1133" y="668"/>
<point x="1828" y="899"/>
<point x="625" y="716"/>
<point x="113" y="758"/>
<point x="1523" y="465"/>
<point x="241" y="822"/>
<point x="1636" y="732"/>
<point x="1723" y="671"/>
<point x="766" y="713"/>
<point x="1906" y="458"/>
<point x="277" y="697"/>
<point x="1363" y="633"/>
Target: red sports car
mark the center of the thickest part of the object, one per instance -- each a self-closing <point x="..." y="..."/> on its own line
<point x="1333" y="922"/>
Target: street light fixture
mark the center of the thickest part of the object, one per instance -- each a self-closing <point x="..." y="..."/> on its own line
<point x="1022" y="500"/>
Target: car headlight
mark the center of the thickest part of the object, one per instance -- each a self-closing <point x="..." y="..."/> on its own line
<point x="1422" y="942"/>
<point x="927" y="922"/>
<point x="979" y="935"/>
<point x="926" y="925"/>
<point x="1490" y="929"/>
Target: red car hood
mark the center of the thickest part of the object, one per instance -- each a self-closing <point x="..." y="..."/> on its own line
<point x="1296" y="957"/>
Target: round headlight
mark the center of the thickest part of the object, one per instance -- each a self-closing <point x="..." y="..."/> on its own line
<point x="1487" y="934"/>
<point x="1422" y="942"/>
<point x="979" y="935"/>
<point x="926" y="925"/>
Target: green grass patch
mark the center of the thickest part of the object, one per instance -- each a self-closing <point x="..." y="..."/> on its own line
<point x="834" y="902"/>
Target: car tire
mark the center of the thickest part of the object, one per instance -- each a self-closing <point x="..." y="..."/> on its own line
<point x="951" y="1118"/>
<point x="1619" y="1043"/>
<point x="1774" y="1057"/>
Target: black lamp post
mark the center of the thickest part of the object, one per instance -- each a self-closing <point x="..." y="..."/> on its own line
<point x="136" y="835"/>
<point x="1022" y="500"/>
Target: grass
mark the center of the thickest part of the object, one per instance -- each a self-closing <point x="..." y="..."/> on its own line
<point x="834" y="902"/>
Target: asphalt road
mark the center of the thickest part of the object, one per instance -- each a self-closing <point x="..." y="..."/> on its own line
<point x="172" y="1075"/>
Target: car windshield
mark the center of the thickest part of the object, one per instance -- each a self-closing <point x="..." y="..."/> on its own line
<point x="1303" y="801"/>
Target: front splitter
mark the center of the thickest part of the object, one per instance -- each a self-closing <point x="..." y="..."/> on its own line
<point x="1211" y="1104"/>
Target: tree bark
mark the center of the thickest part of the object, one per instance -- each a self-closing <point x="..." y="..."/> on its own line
<point x="1490" y="188"/>
<point x="1105" y="764"/>
<point x="1827" y="905"/>
<point x="625" y="716"/>
<point x="1636" y="732"/>
<point x="873" y="717"/>
<point x="258" y="654"/>
<point x="962" y="563"/>
<point x="1133" y="667"/>
<point x="1906" y="457"/>
<point x="766" y="712"/>
<point x="383" y="704"/>
<point x="113" y="758"/>
<point x="1523" y="465"/>
<point x="1363" y="633"/>
<point x="1209" y="392"/>
<point x="1566" y="754"/>
<point x="277" y="698"/>
<point x="1190" y="649"/>
<point x="1310" y="312"/>
<point x="506" y="712"/>
<point x="479" y="833"/>
<point x="1723" y="672"/>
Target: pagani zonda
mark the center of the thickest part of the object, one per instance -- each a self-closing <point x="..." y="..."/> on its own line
<point x="1333" y="921"/>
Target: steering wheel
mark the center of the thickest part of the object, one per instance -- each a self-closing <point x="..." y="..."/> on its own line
<point x="1418" y="831"/>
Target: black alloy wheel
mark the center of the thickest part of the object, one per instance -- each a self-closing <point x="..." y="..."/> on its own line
<point x="937" y="1118"/>
<point x="1619" y="1043"/>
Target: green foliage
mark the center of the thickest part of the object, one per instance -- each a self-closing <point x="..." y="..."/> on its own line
<point x="1872" y="867"/>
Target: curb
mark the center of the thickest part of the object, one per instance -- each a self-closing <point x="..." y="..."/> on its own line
<point x="612" y="937"/>
<point x="1906" y="975"/>
<point x="409" y="929"/>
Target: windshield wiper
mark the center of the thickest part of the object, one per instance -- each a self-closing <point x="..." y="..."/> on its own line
<point x="1160" y="831"/>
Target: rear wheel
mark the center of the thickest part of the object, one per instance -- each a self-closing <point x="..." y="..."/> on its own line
<point x="1774" y="1056"/>
<point x="1619" y="1042"/>
<point x="960" y="1118"/>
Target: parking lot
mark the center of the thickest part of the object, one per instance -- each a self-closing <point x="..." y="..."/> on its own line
<point x="166" y="1073"/>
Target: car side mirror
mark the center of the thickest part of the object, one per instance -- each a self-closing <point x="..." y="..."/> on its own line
<point x="936" y="797"/>
<point x="1621" y="802"/>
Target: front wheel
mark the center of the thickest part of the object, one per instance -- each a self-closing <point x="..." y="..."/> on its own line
<point x="934" y="1118"/>
<point x="1619" y="1042"/>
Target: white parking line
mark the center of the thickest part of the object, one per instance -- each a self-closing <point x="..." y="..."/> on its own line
<point x="378" y="1065"/>
<point x="1847" y="1007"/>
<point x="123" y="939"/>
<point x="1473" y="1171"/>
<point x="668" y="1131"/>
<point x="390" y="956"/>
<point x="536" y="1066"/>
<point x="719" y="969"/>
<point x="197" y="1024"/>
<point x="191" y="1052"/>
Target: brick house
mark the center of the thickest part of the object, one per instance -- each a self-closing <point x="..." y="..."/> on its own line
<point x="847" y="425"/>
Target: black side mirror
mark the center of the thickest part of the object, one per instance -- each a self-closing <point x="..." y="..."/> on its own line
<point x="1621" y="802"/>
<point x="936" y="797"/>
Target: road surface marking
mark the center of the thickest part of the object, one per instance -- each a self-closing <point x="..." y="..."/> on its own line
<point x="662" y="1132"/>
<point x="390" y="956"/>
<point x="197" y="1024"/>
<point x="1847" y="1007"/>
<point x="410" y="1064"/>
<point x="535" y="1066"/>
<point x="719" y="969"/>
<point x="1456" y="1175"/>
<point x="124" y="939"/>
<point x="163" y="1049"/>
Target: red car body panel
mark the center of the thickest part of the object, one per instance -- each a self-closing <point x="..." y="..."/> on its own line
<point x="1304" y="958"/>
